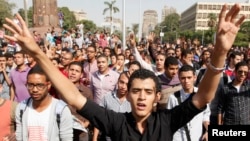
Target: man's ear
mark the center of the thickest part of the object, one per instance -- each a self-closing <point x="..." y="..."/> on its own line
<point x="158" y="97"/>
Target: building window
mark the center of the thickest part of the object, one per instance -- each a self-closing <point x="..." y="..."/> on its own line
<point x="200" y="7"/>
<point x="205" y="7"/>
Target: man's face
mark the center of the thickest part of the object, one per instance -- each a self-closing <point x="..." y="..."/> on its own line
<point x="75" y="73"/>
<point x="10" y="61"/>
<point x="187" y="59"/>
<point x="171" y="70"/>
<point x="38" y="86"/>
<point x="131" y="58"/>
<point x="142" y="96"/>
<point x="19" y="59"/>
<point x="91" y="53"/>
<point x="2" y="62"/>
<point x="160" y="59"/>
<point x="127" y="53"/>
<point x="120" y="60"/>
<point x="178" y="52"/>
<point x="187" y="79"/>
<point x="241" y="74"/>
<point x="133" y="68"/>
<point x="237" y="59"/>
<point x="30" y="59"/>
<point x="102" y="64"/>
<point x="106" y="52"/>
<point x="206" y="55"/>
<point x="66" y="59"/>
<point x="170" y="52"/>
<point x="122" y="84"/>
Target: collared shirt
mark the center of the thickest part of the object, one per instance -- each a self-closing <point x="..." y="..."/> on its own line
<point x="5" y="92"/>
<point x="168" y="82"/>
<point x="195" y="125"/>
<point x="19" y="79"/>
<point x="101" y="86"/>
<point x="112" y="102"/>
<point x="89" y="69"/>
<point x="235" y="105"/>
<point x="122" y="126"/>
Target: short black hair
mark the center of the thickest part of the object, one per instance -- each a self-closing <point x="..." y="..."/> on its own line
<point x="186" y="68"/>
<point x="134" y="63"/>
<point x="170" y="61"/>
<point x="77" y="63"/>
<point x="144" y="74"/>
<point x="37" y="70"/>
<point x="240" y="64"/>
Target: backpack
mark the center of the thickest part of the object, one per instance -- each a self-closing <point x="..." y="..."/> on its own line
<point x="60" y="105"/>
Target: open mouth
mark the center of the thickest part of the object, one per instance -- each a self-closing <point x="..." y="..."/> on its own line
<point x="141" y="106"/>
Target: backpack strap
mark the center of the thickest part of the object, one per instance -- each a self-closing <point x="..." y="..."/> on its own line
<point x="23" y="106"/>
<point x="178" y="96"/>
<point x="60" y="105"/>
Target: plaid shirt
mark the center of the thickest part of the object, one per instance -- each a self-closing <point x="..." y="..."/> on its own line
<point x="235" y="105"/>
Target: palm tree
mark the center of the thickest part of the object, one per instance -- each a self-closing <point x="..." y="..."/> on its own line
<point x="135" y="28"/>
<point x="112" y="9"/>
<point x="212" y="20"/>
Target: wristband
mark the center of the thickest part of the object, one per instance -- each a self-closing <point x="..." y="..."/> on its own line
<point x="214" y="69"/>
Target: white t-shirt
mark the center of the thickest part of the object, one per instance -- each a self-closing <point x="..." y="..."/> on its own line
<point x="38" y="123"/>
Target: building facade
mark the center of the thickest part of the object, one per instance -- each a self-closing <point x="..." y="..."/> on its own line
<point x="167" y="11"/>
<point x="80" y="15"/>
<point x="196" y="17"/>
<point x="117" y="23"/>
<point x="150" y="20"/>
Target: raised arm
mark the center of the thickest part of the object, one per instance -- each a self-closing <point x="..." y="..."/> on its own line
<point x="227" y="30"/>
<point x="22" y="36"/>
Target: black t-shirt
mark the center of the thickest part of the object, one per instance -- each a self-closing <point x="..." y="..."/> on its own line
<point x="161" y="125"/>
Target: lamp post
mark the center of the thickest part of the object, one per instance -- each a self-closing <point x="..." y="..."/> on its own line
<point x="140" y="25"/>
<point x="161" y="33"/>
<point x="25" y="12"/>
<point x="123" y="26"/>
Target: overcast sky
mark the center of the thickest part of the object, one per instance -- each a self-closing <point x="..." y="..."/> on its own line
<point x="94" y="8"/>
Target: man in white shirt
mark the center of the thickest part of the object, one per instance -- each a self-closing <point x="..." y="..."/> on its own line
<point x="194" y="128"/>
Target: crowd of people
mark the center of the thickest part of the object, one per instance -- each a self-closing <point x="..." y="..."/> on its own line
<point x="75" y="86"/>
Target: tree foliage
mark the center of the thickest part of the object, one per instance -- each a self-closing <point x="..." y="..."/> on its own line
<point x="88" y="25"/>
<point x="172" y="22"/>
<point x="30" y="15"/>
<point x="135" y="28"/>
<point x="5" y="10"/>
<point x="69" y="18"/>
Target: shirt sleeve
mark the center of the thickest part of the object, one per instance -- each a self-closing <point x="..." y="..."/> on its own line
<point x="105" y="120"/>
<point x="183" y="113"/>
<point x="66" y="125"/>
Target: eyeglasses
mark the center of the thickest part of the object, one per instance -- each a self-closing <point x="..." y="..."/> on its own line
<point x="244" y="72"/>
<point x="39" y="86"/>
<point x="171" y="54"/>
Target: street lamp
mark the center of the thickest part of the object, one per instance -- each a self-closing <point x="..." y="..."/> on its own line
<point x="161" y="33"/>
<point x="25" y="12"/>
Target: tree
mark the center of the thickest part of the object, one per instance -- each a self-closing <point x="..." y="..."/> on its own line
<point x="5" y="10"/>
<point x="212" y="20"/>
<point x="135" y="28"/>
<point x="88" y="25"/>
<point x="69" y="18"/>
<point x="30" y="15"/>
<point x="172" y="22"/>
<point x="112" y="9"/>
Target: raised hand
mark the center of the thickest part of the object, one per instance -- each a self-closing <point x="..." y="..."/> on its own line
<point x="21" y="35"/>
<point x="228" y="27"/>
<point x="151" y="37"/>
<point x="132" y="40"/>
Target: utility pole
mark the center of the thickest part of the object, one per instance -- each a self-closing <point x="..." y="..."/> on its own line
<point x="26" y="12"/>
